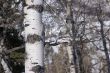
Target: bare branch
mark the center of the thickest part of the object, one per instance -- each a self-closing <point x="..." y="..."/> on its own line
<point x="14" y="49"/>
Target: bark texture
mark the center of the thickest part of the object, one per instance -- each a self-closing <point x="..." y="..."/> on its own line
<point x="34" y="36"/>
<point x="70" y="22"/>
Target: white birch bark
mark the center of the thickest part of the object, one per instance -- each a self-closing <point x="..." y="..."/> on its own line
<point x="34" y="46"/>
<point x="69" y="20"/>
<point x="70" y="55"/>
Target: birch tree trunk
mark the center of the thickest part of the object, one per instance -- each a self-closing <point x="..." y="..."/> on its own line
<point x="70" y="23"/>
<point x="70" y="55"/>
<point x="5" y="66"/>
<point x="34" y="36"/>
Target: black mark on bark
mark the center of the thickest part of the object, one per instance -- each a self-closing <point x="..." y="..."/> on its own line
<point x="26" y="25"/>
<point x="35" y="63"/>
<point x="39" y="8"/>
<point x="32" y="0"/>
<point x="33" y="28"/>
<point x="33" y="38"/>
<point x="38" y="69"/>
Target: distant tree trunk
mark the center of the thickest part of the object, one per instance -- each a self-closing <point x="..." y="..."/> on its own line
<point x="34" y="36"/>
<point x="70" y="55"/>
<point x="104" y="43"/>
<point x="5" y="66"/>
<point x="70" y="24"/>
<point x="77" y="60"/>
<point x="84" y="58"/>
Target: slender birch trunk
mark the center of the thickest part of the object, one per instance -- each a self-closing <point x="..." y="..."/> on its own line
<point x="3" y="61"/>
<point x="70" y="55"/>
<point x="34" y="36"/>
<point x="5" y="66"/>
<point x="70" y="22"/>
